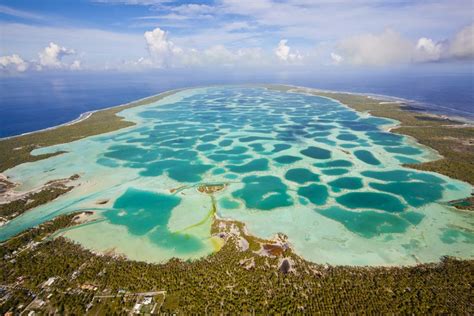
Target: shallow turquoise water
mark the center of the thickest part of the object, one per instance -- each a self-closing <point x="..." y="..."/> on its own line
<point x="309" y="167"/>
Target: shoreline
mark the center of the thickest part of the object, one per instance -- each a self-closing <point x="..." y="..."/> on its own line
<point x="93" y="123"/>
<point x="85" y="115"/>
<point x="384" y="99"/>
<point x="82" y="117"/>
<point x="387" y="99"/>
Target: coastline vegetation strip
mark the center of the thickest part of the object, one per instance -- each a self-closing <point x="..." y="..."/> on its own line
<point x="64" y="278"/>
<point x="452" y="139"/>
<point x="15" y="208"/>
<point x="17" y="150"/>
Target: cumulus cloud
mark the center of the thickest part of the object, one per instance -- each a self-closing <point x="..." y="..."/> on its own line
<point x="13" y="63"/>
<point x="375" y="49"/>
<point x="283" y="52"/>
<point x="462" y="45"/>
<point x="220" y="55"/>
<point x="390" y="47"/>
<point x="336" y="59"/>
<point x="52" y="57"/>
<point x="162" y="51"/>
<point x="428" y="50"/>
<point x="76" y="65"/>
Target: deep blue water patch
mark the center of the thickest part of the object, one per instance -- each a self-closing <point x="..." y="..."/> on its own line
<point x="347" y="137"/>
<point x="145" y="212"/>
<point x="301" y="175"/>
<point x="280" y="147"/>
<point x="402" y="175"/>
<point x="346" y="183"/>
<point x="367" y="224"/>
<point x="416" y="193"/>
<point x="334" y="171"/>
<point x="405" y="150"/>
<point x="287" y="159"/>
<point x="316" y="152"/>
<point x="406" y="160"/>
<point x="254" y="165"/>
<point x="372" y="200"/>
<point x="264" y="193"/>
<point x="334" y="163"/>
<point x="179" y="170"/>
<point x="367" y="157"/>
<point x="205" y="147"/>
<point x="315" y="193"/>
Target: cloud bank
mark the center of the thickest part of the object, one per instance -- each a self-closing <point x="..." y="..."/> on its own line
<point x="386" y="48"/>
<point x="391" y="48"/>
<point x="283" y="52"/>
<point x="13" y="63"/>
<point x="51" y="57"/>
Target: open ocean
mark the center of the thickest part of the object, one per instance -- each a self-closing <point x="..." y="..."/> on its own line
<point x="38" y="101"/>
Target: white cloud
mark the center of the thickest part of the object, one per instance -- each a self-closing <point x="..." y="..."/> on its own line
<point x="76" y="65"/>
<point x="220" y="55"/>
<point x="390" y="47"/>
<point x="336" y="59"/>
<point x="162" y="51"/>
<point x="13" y="63"/>
<point x="283" y="52"/>
<point x="99" y="47"/>
<point x="376" y="49"/>
<point x="428" y="50"/>
<point x="462" y="45"/>
<point x="252" y="56"/>
<point x="52" y="55"/>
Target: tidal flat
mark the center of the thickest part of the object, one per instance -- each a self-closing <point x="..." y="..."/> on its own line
<point x="328" y="177"/>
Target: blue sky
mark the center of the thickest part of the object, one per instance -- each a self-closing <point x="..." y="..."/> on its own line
<point x="138" y="35"/>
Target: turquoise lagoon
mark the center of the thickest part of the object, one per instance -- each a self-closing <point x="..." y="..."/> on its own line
<point x="328" y="177"/>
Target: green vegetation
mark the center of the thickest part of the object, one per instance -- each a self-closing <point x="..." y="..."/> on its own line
<point x="16" y="150"/>
<point x="88" y="283"/>
<point x="48" y="192"/>
<point x="18" y="207"/>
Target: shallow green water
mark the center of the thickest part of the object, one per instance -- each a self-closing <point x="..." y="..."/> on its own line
<point x="309" y="167"/>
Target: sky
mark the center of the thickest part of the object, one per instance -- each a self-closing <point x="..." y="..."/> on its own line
<point x="140" y="35"/>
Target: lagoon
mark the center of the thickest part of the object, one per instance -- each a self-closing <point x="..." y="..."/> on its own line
<point x="328" y="177"/>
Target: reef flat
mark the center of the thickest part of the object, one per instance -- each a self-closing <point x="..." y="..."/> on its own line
<point x="451" y="138"/>
<point x="289" y="173"/>
<point x="330" y="178"/>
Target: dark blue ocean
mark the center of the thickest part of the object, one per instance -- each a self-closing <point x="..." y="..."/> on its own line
<point x="38" y="101"/>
